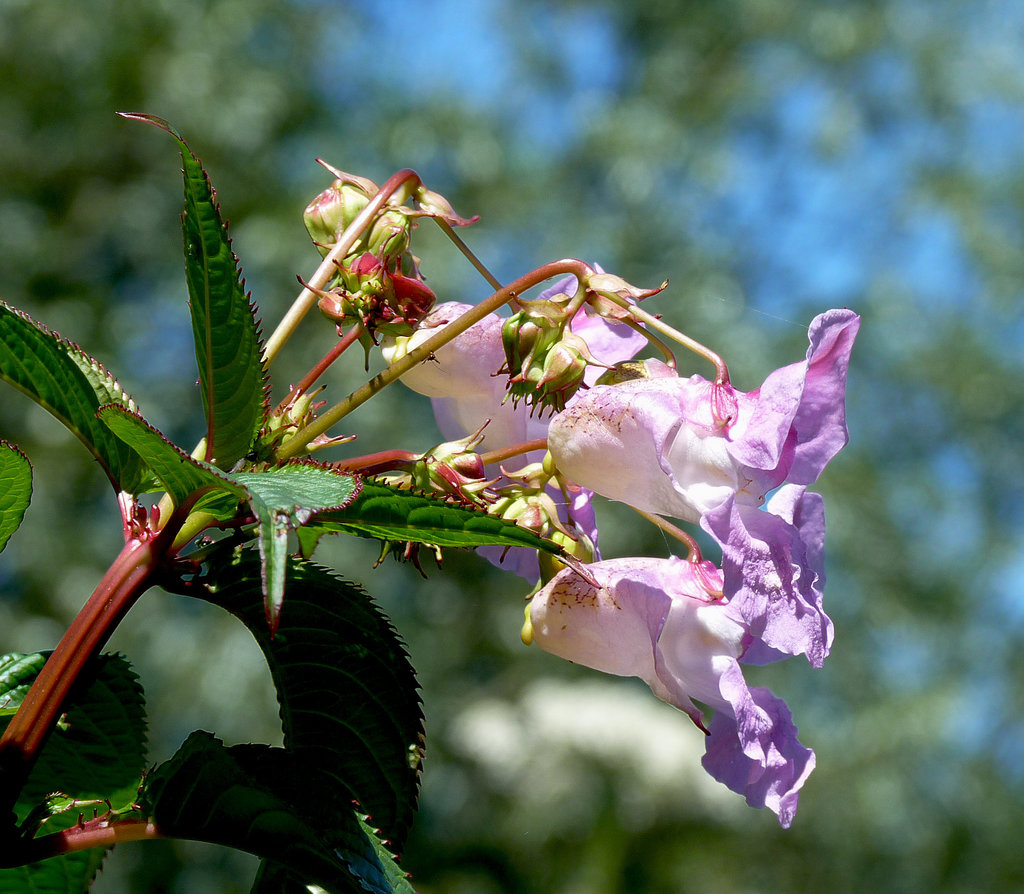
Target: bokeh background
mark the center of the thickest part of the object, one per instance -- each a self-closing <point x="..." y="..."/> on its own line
<point x="771" y="158"/>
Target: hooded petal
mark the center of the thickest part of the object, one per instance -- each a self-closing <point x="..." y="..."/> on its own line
<point x="754" y="749"/>
<point x="802" y="406"/>
<point x="652" y="619"/>
<point x="462" y="368"/>
<point x="774" y="572"/>
<point x="820" y="422"/>
<point x="613" y="628"/>
<point x="631" y="443"/>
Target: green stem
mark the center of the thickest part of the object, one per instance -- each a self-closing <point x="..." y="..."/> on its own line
<point x="721" y="370"/>
<point x="128" y="577"/>
<point x="468" y="252"/>
<point x="297" y="444"/>
<point x="308" y="297"/>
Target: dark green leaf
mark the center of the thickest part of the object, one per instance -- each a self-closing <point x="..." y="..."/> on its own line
<point x="180" y="475"/>
<point x="63" y="379"/>
<point x="15" y="489"/>
<point x="269" y="802"/>
<point x="347" y="691"/>
<point x="232" y="376"/>
<point x="392" y="514"/>
<point x="281" y="499"/>
<point x="97" y="752"/>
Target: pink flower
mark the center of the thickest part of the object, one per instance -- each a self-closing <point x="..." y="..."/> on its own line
<point x="710" y="454"/>
<point x="655" y="619"/>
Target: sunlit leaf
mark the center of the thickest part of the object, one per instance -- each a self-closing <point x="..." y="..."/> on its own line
<point x="179" y="474"/>
<point x="281" y="499"/>
<point x="15" y="489"/>
<point x="63" y="379"/>
<point x="392" y="514"/>
<point x="232" y="376"/>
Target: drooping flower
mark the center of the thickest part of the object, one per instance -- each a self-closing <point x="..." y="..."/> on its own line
<point x="707" y="453"/>
<point x="657" y="619"/>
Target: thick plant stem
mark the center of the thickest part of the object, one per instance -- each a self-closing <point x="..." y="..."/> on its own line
<point x="308" y="296"/>
<point x="128" y="577"/>
<point x="92" y="833"/>
<point x="297" y="444"/>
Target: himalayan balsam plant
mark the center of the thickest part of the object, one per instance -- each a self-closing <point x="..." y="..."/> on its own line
<point x="542" y="409"/>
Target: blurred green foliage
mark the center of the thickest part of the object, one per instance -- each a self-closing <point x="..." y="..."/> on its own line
<point x="771" y="158"/>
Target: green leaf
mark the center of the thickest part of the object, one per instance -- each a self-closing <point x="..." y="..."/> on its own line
<point x="232" y="376"/>
<point x="348" y="695"/>
<point x="267" y="801"/>
<point x="392" y="514"/>
<point x="63" y="379"/>
<point x="15" y="490"/>
<point x="179" y="474"/>
<point x="283" y="498"/>
<point x="96" y="752"/>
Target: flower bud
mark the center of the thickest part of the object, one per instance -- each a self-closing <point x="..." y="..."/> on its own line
<point x="388" y="238"/>
<point x="327" y="216"/>
<point x="603" y="287"/>
<point x="433" y="204"/>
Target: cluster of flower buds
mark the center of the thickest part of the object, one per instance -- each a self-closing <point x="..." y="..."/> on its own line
<point x="295" y="413"/>
<point x="378" y="283"/>
<point x="545" y="360"/>
<point x="385" y="302"/>
<point x="530" y="499"/>
<point x="450" y="469"/>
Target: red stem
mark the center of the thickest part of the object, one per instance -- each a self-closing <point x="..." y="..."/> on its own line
<point x="98" y="832"/>
<point x="309" y="379"/>
<point x="373" y="463"/>
<point x="127" y="578"/>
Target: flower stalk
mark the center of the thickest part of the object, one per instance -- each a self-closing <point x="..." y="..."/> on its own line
<point x="297" y="444"/>
<point x="329" y="266"/>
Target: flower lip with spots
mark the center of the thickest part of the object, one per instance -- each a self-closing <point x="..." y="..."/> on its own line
<point x="659" y="620"/>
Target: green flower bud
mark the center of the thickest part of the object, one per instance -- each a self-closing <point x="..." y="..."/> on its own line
<point x="327" y="216"/>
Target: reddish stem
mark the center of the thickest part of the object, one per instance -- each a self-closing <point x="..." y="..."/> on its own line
<point x="344" y="343"/>
<point x="128" y="577"/>
<point x="497" y="456"/>
<point x="98" y="832"/>
<point x="372" y="463"/>
<point x="309" y="379"/>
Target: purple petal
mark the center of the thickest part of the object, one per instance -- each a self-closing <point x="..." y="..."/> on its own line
<point x="756" y="752"/>
<point x="774" y="574"/>
<point x="820" y="422"/>
<point x="610" y="343"/>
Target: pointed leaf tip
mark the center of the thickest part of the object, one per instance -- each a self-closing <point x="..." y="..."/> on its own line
<point x="153" y="120"/>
